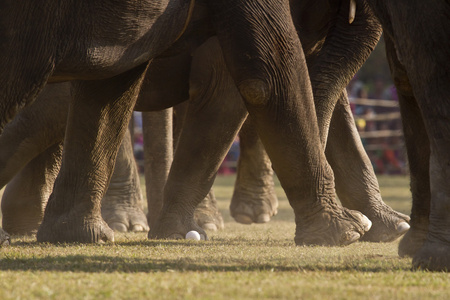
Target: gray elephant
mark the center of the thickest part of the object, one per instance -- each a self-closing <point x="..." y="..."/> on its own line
<point x="106" y="62"/>
<point x="30" y="156"/>
<point x="417" y="43"/>
<point x="344" y="149"/>
<point x="31" y="153"/>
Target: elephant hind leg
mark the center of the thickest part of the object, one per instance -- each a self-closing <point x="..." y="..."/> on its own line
<point x="415" y="134"/>
<point x="207" y="214"/>
<point x="254" y="199"/>
<point x="419" y="165"/>
<point x="429" y="78"/>
<point x="434" y="254"/>
<point x="26" y="195"/>
<point x="122" y="205"/>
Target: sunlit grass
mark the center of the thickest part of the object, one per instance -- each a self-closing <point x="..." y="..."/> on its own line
<point x="242" y="261"/>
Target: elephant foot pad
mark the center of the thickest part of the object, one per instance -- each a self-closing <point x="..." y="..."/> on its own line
<point x="208" y="220"/>
<point x="248" y="208"/>
<point x="124" y="219"/>
<point x="207" y="214"/>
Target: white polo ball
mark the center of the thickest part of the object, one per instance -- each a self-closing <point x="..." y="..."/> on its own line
<point x="193" y="235"/>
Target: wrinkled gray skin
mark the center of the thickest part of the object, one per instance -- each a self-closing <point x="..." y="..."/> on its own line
<point x="418" y="50"/>
<point x="254" y="199"/>
<point x="30" y="156"/>
<point x="61" y="52"/>
<point x="160" y="138"/>
<point x="107" y="61"/>
<point x="31" y="153"/>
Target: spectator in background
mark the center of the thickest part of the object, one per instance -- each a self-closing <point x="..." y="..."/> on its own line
<point x="379" y="87"/>
<point x="354" y="89"/>
<point x="390" y="93"/>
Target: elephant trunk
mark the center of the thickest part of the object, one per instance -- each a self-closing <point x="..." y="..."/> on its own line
<point x="346" y="48"/>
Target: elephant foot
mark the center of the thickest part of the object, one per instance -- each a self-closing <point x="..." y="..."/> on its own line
<point x="207" y="214"/>
<point x="173" y="226"/>
<point x="68" y="229"/>
<point x="253" y="207"/>
<point x="124" y="218"/>
<point x="22" y="224"/>
<point x="412" y="242"/>
<point x="433" y="256"/>
<point x="387" y="225"/>
<point x="5" y="239"/>
<point x="328" y="227"/>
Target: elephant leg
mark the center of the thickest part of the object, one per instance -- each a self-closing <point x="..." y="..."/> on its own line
<point x="26" y="195"/>
<point x="265" y="59"/>
<point x="356" y="183"/>
<point x="158" y="156"/>
<point x="99" y="114"/>
<point x="212" y="121"/>
<point x="429" y="79"/>
<point x="207" y="214"/>
<point x="168" y="80"/>
<point x="122" y="205"/>
<point x="166" y="84"/>
<point x="33" y="130"/>
<point x="30" y="156"/>
<point x="419" y="166"/>
<point x="415" y="134"/>
<point x="254" y="199"/>
<point x="431" y="251"/>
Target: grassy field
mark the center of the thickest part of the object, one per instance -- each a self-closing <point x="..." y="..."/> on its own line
<point x="242" y="261"/>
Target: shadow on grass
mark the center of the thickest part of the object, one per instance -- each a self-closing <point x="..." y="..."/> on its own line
<point x="109" y="264"/>
<point x="216" y="241"/>
<point x="151" y="264"/>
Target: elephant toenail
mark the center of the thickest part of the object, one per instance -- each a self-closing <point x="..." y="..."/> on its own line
<point x="403" y="227"/>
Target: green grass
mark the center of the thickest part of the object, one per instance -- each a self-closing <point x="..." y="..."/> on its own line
<point x="242" y="261"/>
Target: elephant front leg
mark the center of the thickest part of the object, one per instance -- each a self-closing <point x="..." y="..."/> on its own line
<point x="212" y="121"/>
<point x="158" y="155"/>
<point x="98" y="118"/>
<point x="356" y="183"/>
<point x="265" y="58"/>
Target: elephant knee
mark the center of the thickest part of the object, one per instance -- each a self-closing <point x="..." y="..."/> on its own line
<point x="255" y="91"/>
